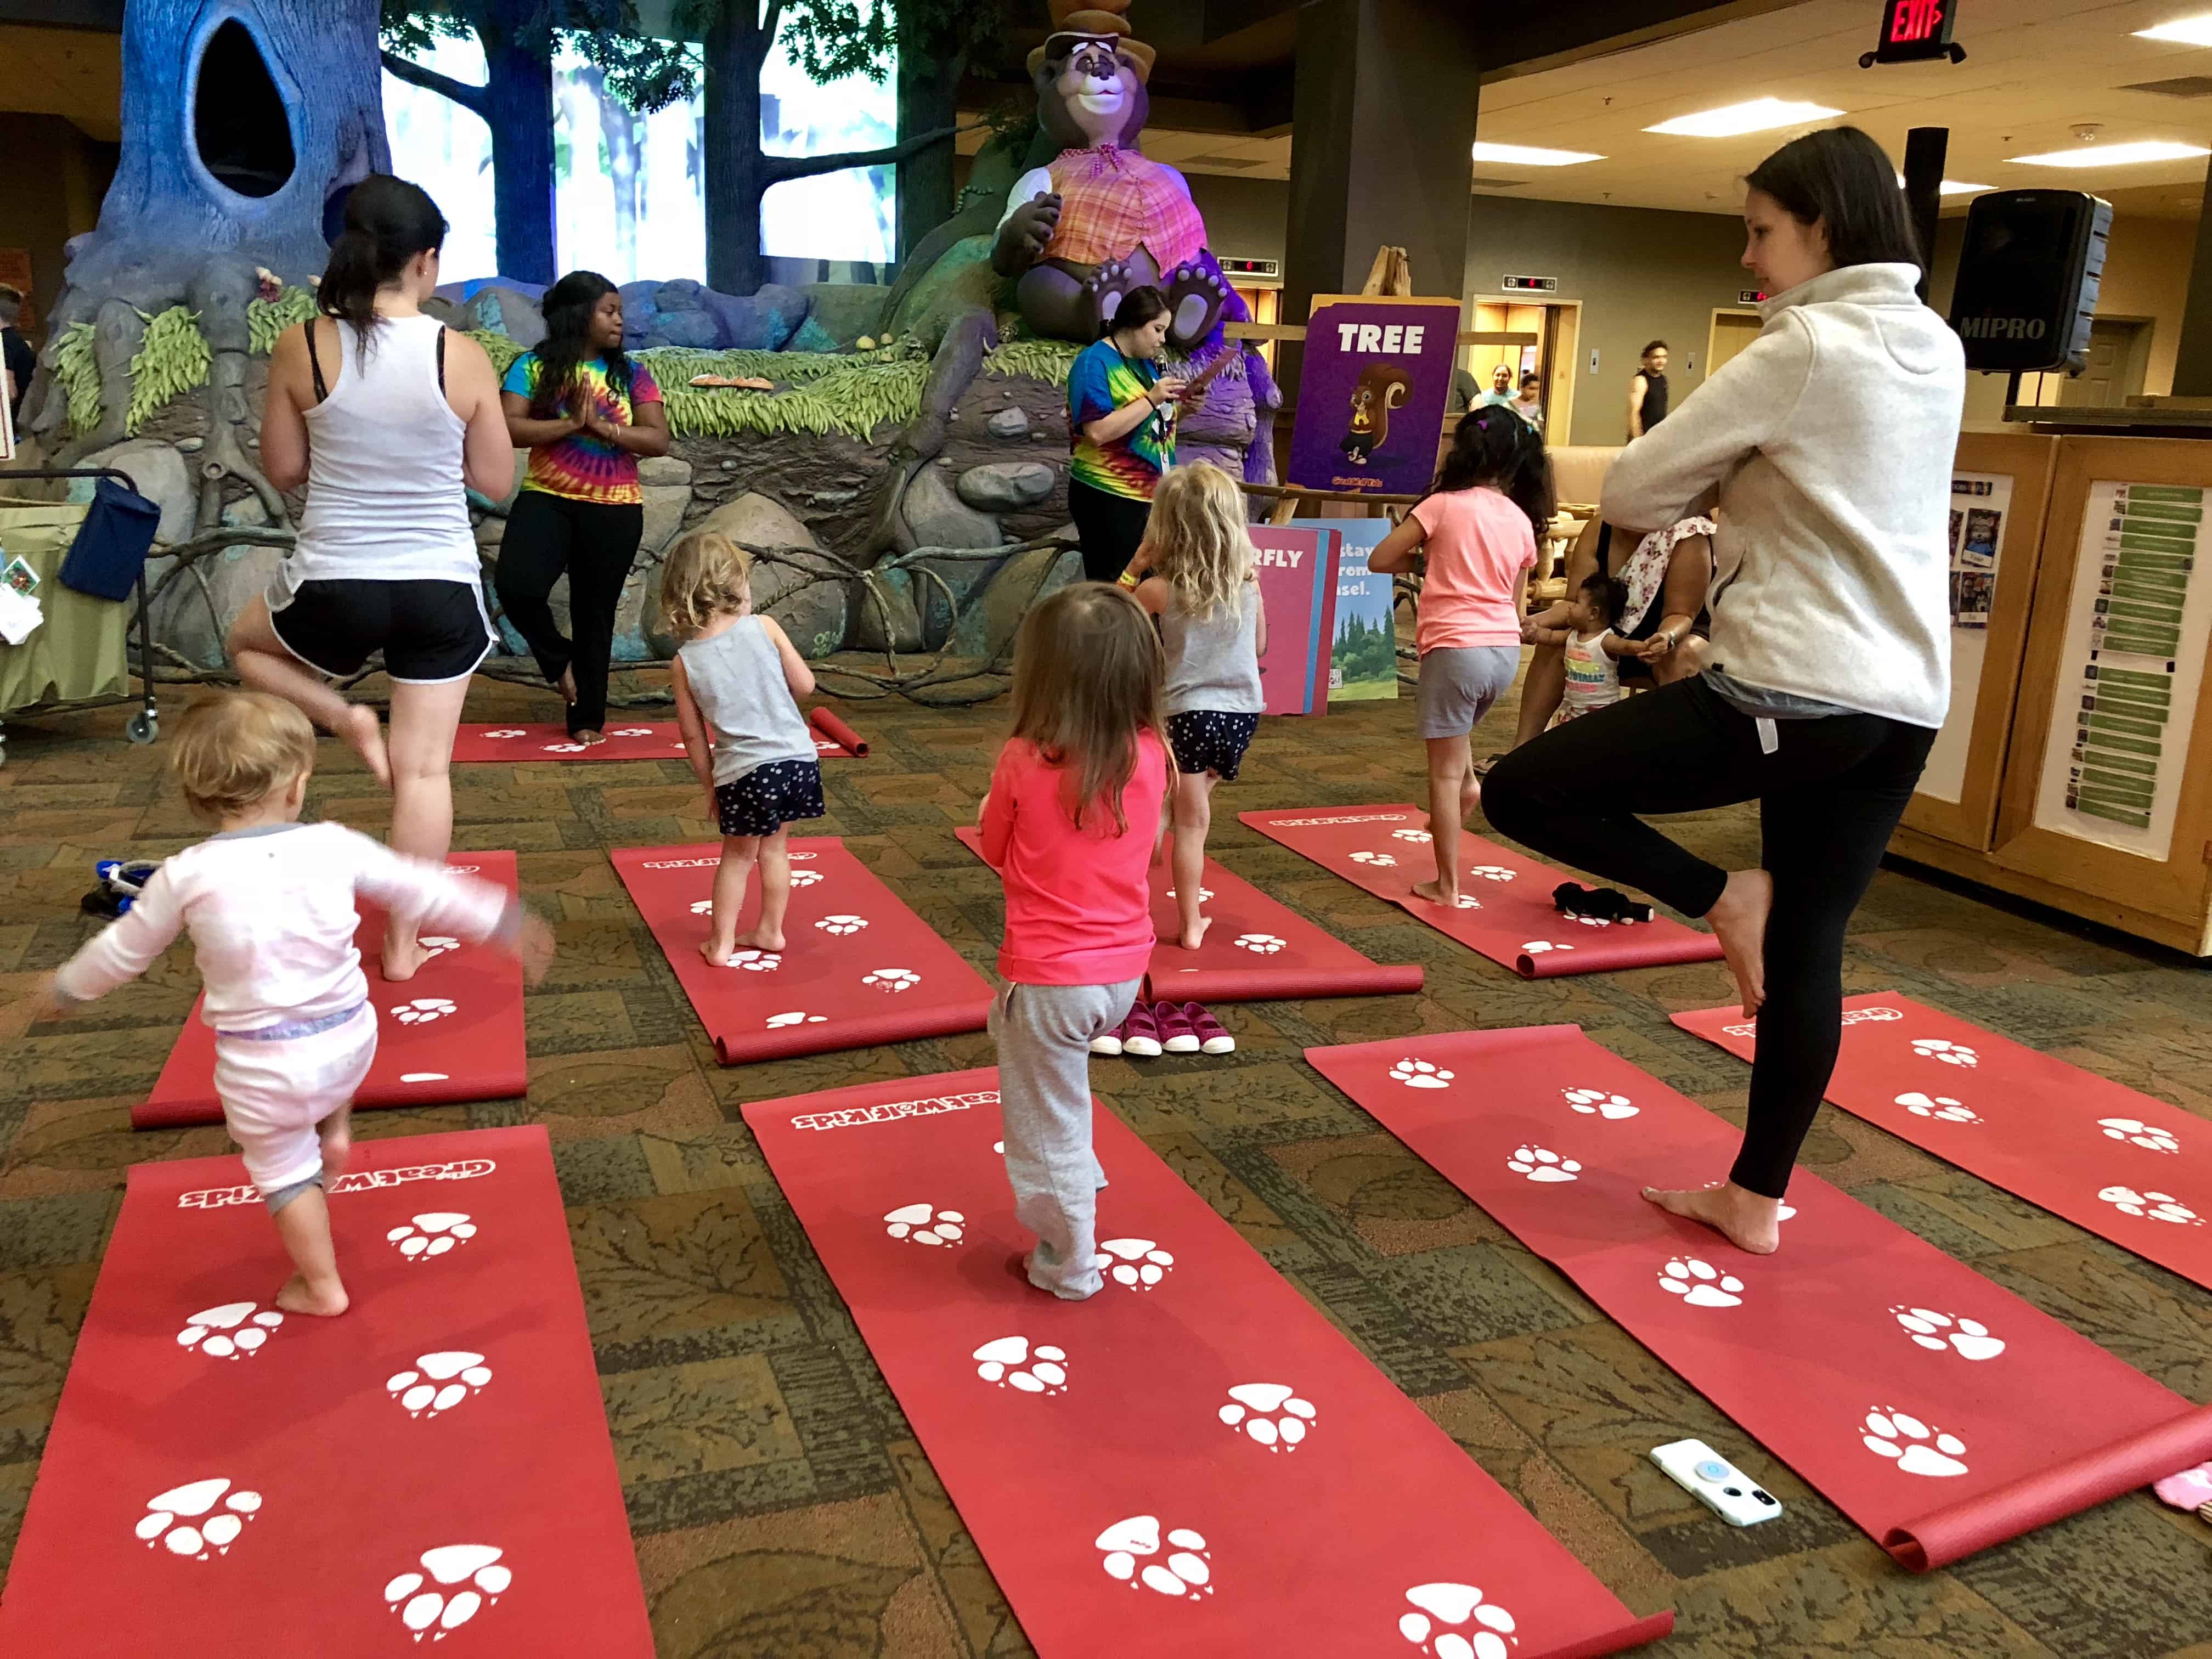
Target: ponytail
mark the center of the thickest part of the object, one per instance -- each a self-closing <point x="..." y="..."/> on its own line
<point x="388" y="222"/>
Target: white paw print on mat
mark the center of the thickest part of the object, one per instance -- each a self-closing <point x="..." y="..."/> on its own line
<point x="1265" y="944"/>
<point x="1011" y="1363"/>
<point x="422" y="1009"/>
<point x="435" y="1232"/>
<point x="1466" y="901"/>
<point x="468" y="1576"/>
<point x="796" y="1017"/>
<point x="806" y="878"/>
<point x="2150" y="1206"/>
<point x="225" y="1333"/>
<point x="1917" y="1448"/>
<point x="1269" y="1414"/>
<point x="1187" y="1571"/>
<point x="1419" y="837"/>
<point x="1588" y="921"/>
<point x="1383" y="859"/>
<point x="436" y="945"/>
<point x="1205" y="895"/>
<point x="1420" y="1074"/>
<point x="631" y="731"/>
<point x="566" y="748"/>
<point x="507" y="732"/>
<point x="438" y="1382"/>
<point x="172" y="1518"/>
<point x="1136" y="1262"/>
<point x="1458" y="1605"/>
<point x="754" y="961"/>
<point x="704" y="906"/>
<point x="1491" y="872"/>
<point x="892" y="979"/>
<point x="2137" y="1133"/>
<point x="1951" y="1054"/>
<point x="1603" y="1103"/>
<point x="1942" y="1108"/>
<point x="842" y="924"/>
<point x="1537" y="947"/>
<point x="1540" y="1163"/>
<point x="1701" y="1284"/>
<point x="1941" y="1333"/>
<point x="923" y="1224"/>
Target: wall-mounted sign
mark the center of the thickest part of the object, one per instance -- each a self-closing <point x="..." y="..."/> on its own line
<point x="1914" y="31"/>
<point x="1530" y="285"/>
<point x="1253" y="267"/>
<point x="1749" y="296"/>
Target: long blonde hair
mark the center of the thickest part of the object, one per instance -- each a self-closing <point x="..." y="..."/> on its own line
<point x="705" y="576"/>
<point x="1202" y="547"/>
<point x="1086" y="681"/>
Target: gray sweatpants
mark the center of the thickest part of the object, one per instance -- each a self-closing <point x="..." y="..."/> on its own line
<point x="1044" y="1033"/>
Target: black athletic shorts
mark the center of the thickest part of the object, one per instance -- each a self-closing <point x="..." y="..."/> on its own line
<point x="770" y="796"/>
<point x="430" y="632"/>
<point x="1206" y="740"/>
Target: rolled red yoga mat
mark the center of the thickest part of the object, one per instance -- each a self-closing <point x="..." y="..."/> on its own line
<point x="1194" y="1462"/>
<point x="830" y="726"/>
<point x="2125" y="1166"/>
<point x="452" y="1032"/>
<point x="626" y="740"/>
<point x="859" y="968"/>
<point x="221" y="1479"/>
<point x="1939" y="1411"/>
<point x="1506" y="912"/>
<point x="1256" y="949"/>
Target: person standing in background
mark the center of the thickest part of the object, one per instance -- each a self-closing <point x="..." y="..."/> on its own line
<point x="20" y="362"/>
<point x="1121" y="422"/>
<point x="1500" y="395"/>
<point x="1647" y="392"/>
<point x="1529" y="406"/>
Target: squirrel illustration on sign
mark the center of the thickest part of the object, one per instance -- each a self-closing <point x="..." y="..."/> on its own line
<point x="1382" y="386"/>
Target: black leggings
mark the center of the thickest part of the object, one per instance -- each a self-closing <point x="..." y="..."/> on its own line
<point x="1829" y="797"/>
<point x="594" y="543"/>
<point x="1112" y="527"/>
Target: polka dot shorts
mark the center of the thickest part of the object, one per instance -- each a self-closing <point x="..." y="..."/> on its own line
<point x="1205" y="741"/>
<point x="768" y="797"/>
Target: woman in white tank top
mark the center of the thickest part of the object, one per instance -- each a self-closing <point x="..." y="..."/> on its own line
<point x="388" y="419"/>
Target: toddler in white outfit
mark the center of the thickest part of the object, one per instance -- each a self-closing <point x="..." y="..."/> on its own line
<point x="1593" y="649"/>
<point x="269" y="903"/>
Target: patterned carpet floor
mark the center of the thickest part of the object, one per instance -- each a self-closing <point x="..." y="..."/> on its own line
<point x="780" y="1506"/>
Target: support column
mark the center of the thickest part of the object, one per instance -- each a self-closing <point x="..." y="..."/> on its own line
<point x="2193" y="361"/>
<point x="1925" y="149"/>
<point x="1383" y="113"/>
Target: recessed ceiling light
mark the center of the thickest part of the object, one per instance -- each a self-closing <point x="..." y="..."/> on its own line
<point x="2183" y="31"/>
<point x="1757" y="116"/>
<point x="1530" y="155"/>
<point x="2112" y="155"/>
<point x="1950" y="187"/>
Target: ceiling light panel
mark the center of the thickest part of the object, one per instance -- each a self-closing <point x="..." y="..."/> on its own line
<point x="2183" y="31"/>
<point x="1760" y="115"/>
<point x="2112" y="155"/>
<point x="1530" y="155"/>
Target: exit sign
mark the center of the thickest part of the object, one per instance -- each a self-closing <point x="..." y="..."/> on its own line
<point x="1914" y="31"/>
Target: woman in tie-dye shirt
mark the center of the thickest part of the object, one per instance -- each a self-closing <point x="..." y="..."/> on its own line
<point x="585" y="413"/>
<point x="1121" y="429"/>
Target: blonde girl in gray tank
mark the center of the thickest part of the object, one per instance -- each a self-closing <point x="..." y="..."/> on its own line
<point x="738" y="677"/>
<point x="1205" y="589"/>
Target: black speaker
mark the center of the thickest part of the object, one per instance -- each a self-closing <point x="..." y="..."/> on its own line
<point x="2028" y="271"/>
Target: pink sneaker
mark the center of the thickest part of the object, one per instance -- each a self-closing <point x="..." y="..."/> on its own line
<point x="1111" y="1042"/>
<point x="1177" y="1035"/>
<point x="1140" y="1033"/>
<point x="1213" y="1038"/>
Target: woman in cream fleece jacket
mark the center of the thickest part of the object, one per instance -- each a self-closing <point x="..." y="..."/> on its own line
<point x="1829" y="441"/>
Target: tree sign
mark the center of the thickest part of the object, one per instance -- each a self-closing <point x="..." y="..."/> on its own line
<point x="1915" y="32"/>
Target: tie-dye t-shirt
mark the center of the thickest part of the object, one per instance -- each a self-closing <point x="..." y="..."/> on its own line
<point x="1100" y="382"/>
<point x="581" y="467"/>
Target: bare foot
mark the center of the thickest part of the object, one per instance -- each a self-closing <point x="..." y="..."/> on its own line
<point x="1746" y="1220"/>
<point x="1195" y="934"/>
<point x="587" y="738"/>
<point x="335" y="1132"/>
<point x="717" y="952"/>
<point x="297" y="1298"/>
<point x="364" y="734"/>
<point x="1437" y="893"/>
<point x="403" y="959"/>
<point x="763" y="939"/>
<point x="1739" y="920"/>
<point x="566" y="685"/>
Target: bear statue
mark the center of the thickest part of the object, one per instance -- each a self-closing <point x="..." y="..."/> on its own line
<point x="1101" y="218"/>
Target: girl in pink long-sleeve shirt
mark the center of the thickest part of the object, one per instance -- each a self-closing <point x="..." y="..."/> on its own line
<point x="1072" y="825"/>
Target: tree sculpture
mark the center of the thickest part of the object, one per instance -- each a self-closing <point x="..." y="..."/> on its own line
<point x="520" y="38"/>
<point x="244" y="122"/>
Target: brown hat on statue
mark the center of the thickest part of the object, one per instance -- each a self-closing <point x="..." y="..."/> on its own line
<point x="1075" y="21"/>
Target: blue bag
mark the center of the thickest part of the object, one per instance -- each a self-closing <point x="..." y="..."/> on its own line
<point x="111" y="544"/>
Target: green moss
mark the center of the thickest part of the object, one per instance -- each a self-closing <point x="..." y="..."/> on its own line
<point x="502" y="350"/>
<point x="817" y="393"/>
<point x="1038" y="360"/>
<point x="78" y="371"/>
<point x="266" y="318"/>
<point x="173" y="359"/>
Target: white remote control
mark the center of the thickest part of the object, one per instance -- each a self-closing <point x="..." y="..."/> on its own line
<point x="1716" y="1483"/>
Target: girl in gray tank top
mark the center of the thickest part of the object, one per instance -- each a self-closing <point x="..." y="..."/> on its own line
<point x="1213" y="630"/>
<point x="738" y="677"/>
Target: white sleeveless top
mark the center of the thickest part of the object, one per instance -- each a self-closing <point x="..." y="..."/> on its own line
<point x="386" y="500"/>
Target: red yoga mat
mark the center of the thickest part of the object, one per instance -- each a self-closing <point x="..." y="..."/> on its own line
<point x="1256" y="949"/>
<point x="626" y="741"/>
<point x="832" y="736"/>
<point x="432" y="1467"/>
<point x="452" y="1032"/>
<point x="1941" y="1413"/>
<point x="2125" y="1166"/>
<point x="1505" y="897"/>
<point x="1194" y="1462"/>
<point x="859" y="968"/>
